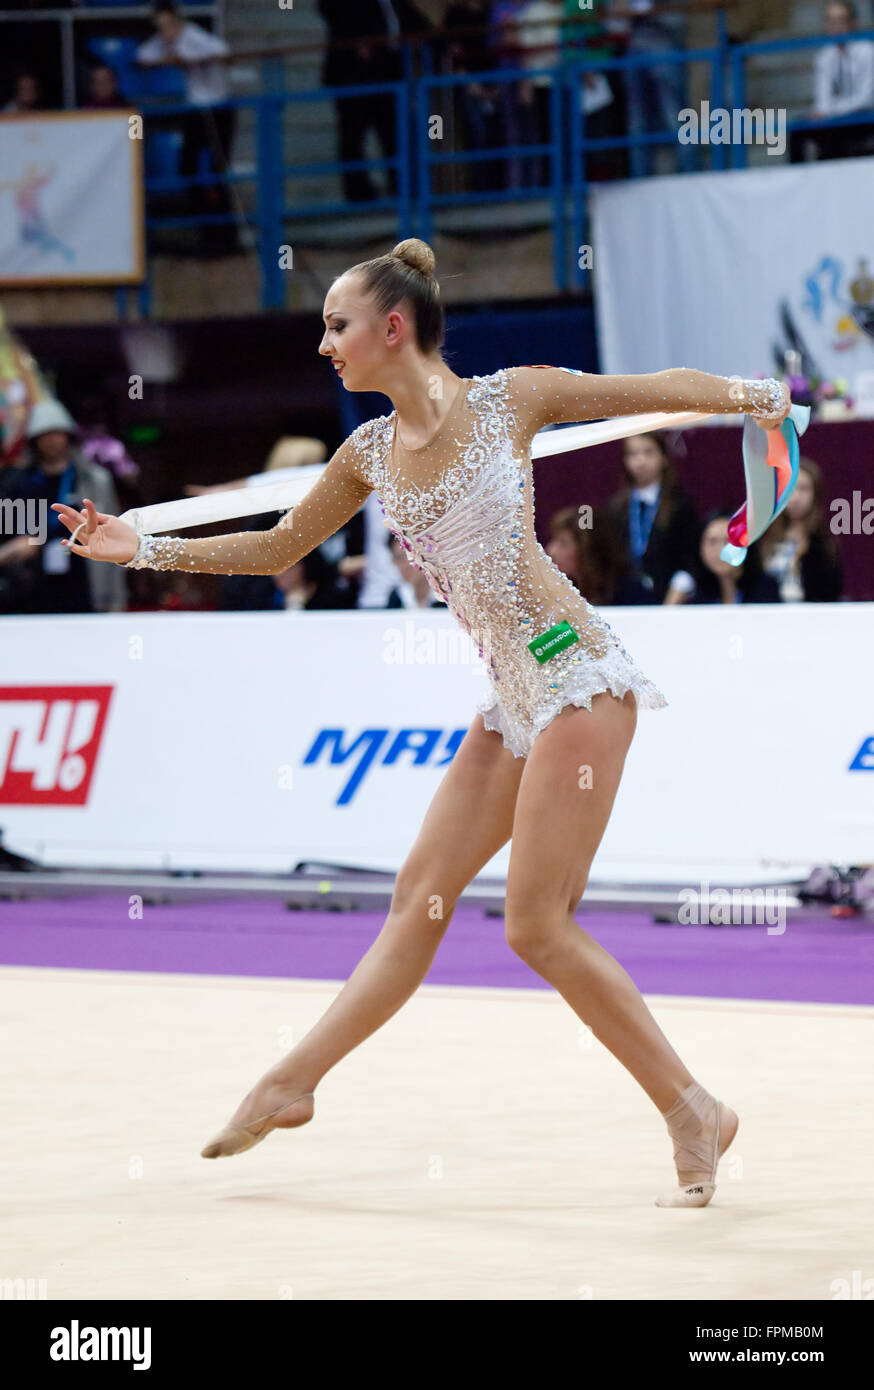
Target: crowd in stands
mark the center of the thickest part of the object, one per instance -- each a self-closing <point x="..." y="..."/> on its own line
<point x="364" y="47"/>
<point x="538" y="34"/>
<point x="647" y="545"/>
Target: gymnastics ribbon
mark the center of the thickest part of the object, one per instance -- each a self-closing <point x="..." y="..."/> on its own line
<point x="771" y="471"/>
<point x="283" y="488"/>
<point x="770" y="479"/>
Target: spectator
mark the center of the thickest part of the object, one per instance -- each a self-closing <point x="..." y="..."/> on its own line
<point x="716" y="581"/>
<point x="799" y="550"/>
<point x="208" y="130"/>
<point x="517" y="110"/>
<point x="539" y="37"/>
<point x="601" y="95"/>
<point x="655" y="522"/>
<point x="366" y="62"/>
<point x="479" y="102"/>
<point x="655" y="94"/>
<point x="412" y="589"/>
<point x="379" y="574"/>
<point x="314" y="583"/>
<point x="331" y="581"/>
<point x="103" y="90"/>
<point x="26" y="95"/>
<point x="589" y="556"/>
<point x="99" y="444"/>
<point x="843" y="82"/>
<point x="46" y="577"/>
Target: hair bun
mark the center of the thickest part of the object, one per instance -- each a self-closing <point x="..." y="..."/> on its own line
<point x="417" y="254"/>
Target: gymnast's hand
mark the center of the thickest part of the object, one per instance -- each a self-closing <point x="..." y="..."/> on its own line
<point x="775" y="424"/>
<point x="102" y="537"/>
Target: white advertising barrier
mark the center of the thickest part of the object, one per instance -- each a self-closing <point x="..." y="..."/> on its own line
<point x="251" y="741"/>
<point x="714" y="270"/>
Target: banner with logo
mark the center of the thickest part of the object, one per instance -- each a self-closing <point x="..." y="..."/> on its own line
<point x="252" y="741"/>
<point x="726" y="271"/>
<point x="71" y="199"/>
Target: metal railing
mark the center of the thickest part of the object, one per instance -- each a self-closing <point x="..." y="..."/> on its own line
<point x="416" y="201"/>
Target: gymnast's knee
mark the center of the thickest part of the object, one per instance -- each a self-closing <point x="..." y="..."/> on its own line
<point x="422" y="897"/>
<point x="535" y="930"/>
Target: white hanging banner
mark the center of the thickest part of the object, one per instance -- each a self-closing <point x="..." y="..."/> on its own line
<point x="718" y="271"/>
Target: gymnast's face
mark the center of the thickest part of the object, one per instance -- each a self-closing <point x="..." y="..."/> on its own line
<point x="361" y="343"/>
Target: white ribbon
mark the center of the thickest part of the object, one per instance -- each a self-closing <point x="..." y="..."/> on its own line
<point x="283" y="488"/>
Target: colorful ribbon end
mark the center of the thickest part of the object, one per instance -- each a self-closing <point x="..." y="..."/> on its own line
<point x="733" y="554"/>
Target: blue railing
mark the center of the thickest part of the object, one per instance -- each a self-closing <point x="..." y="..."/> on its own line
<point x="416" y="201"/>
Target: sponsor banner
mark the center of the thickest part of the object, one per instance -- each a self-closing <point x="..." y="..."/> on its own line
<point x="253" y="741"/>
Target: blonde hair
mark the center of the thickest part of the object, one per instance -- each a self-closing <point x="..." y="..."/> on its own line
<point x="407" y="273"/>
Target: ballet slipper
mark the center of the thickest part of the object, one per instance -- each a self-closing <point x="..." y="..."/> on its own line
<point x="701" y="1128"/>
<point x="234" y="1139"/>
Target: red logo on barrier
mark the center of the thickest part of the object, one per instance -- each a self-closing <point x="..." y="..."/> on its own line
<point x="49" y="737"/>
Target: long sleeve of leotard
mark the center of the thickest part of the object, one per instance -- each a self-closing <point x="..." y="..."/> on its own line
<point x="562" y="395"/>
<point x="334" y="497"/>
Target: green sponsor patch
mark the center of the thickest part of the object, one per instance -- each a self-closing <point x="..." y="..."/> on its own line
<point x="553" y="641"/>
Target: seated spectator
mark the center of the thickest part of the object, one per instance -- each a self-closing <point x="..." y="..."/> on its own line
<point x="799" y="550"/>
<point x="656" y="522"/>
<point x="47" y="577"/>
<point x="843" y="82"/>
<point x="99" y="444"/>
<point x="412" y="589"/>
<point x="378" y="571"/>
<point x="714" y="580"/>
<point x="103" y="90"/>
<point x="289" y="451"/>
<point x="313" y="583"/>
<point x="334" y="575"/>
<point x="26" y="95"/>
<point x="590" y="556"/>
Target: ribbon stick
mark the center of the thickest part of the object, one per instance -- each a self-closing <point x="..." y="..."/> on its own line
<point x="771" y="471"/>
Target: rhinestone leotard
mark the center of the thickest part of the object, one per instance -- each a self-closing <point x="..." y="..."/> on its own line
<point x="462" y="506"/>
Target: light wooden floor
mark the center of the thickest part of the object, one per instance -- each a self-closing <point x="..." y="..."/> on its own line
<point x="474" y="1148"/>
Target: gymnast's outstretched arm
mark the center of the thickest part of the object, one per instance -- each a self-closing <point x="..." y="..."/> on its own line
<point x="560" y="395"/>
<point x="334" y="497"/>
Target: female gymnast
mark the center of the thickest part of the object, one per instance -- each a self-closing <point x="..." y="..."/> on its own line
<point x="451" y="466"/>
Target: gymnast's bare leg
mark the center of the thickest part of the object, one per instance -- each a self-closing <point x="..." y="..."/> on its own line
<point x="469" y="819"/>
<point x="561" y="814"/>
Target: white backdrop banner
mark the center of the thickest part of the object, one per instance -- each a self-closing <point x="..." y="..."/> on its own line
<point x="251" y="741"/>
<point x="717" y="270"/>
<point x="71" y="199"/>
